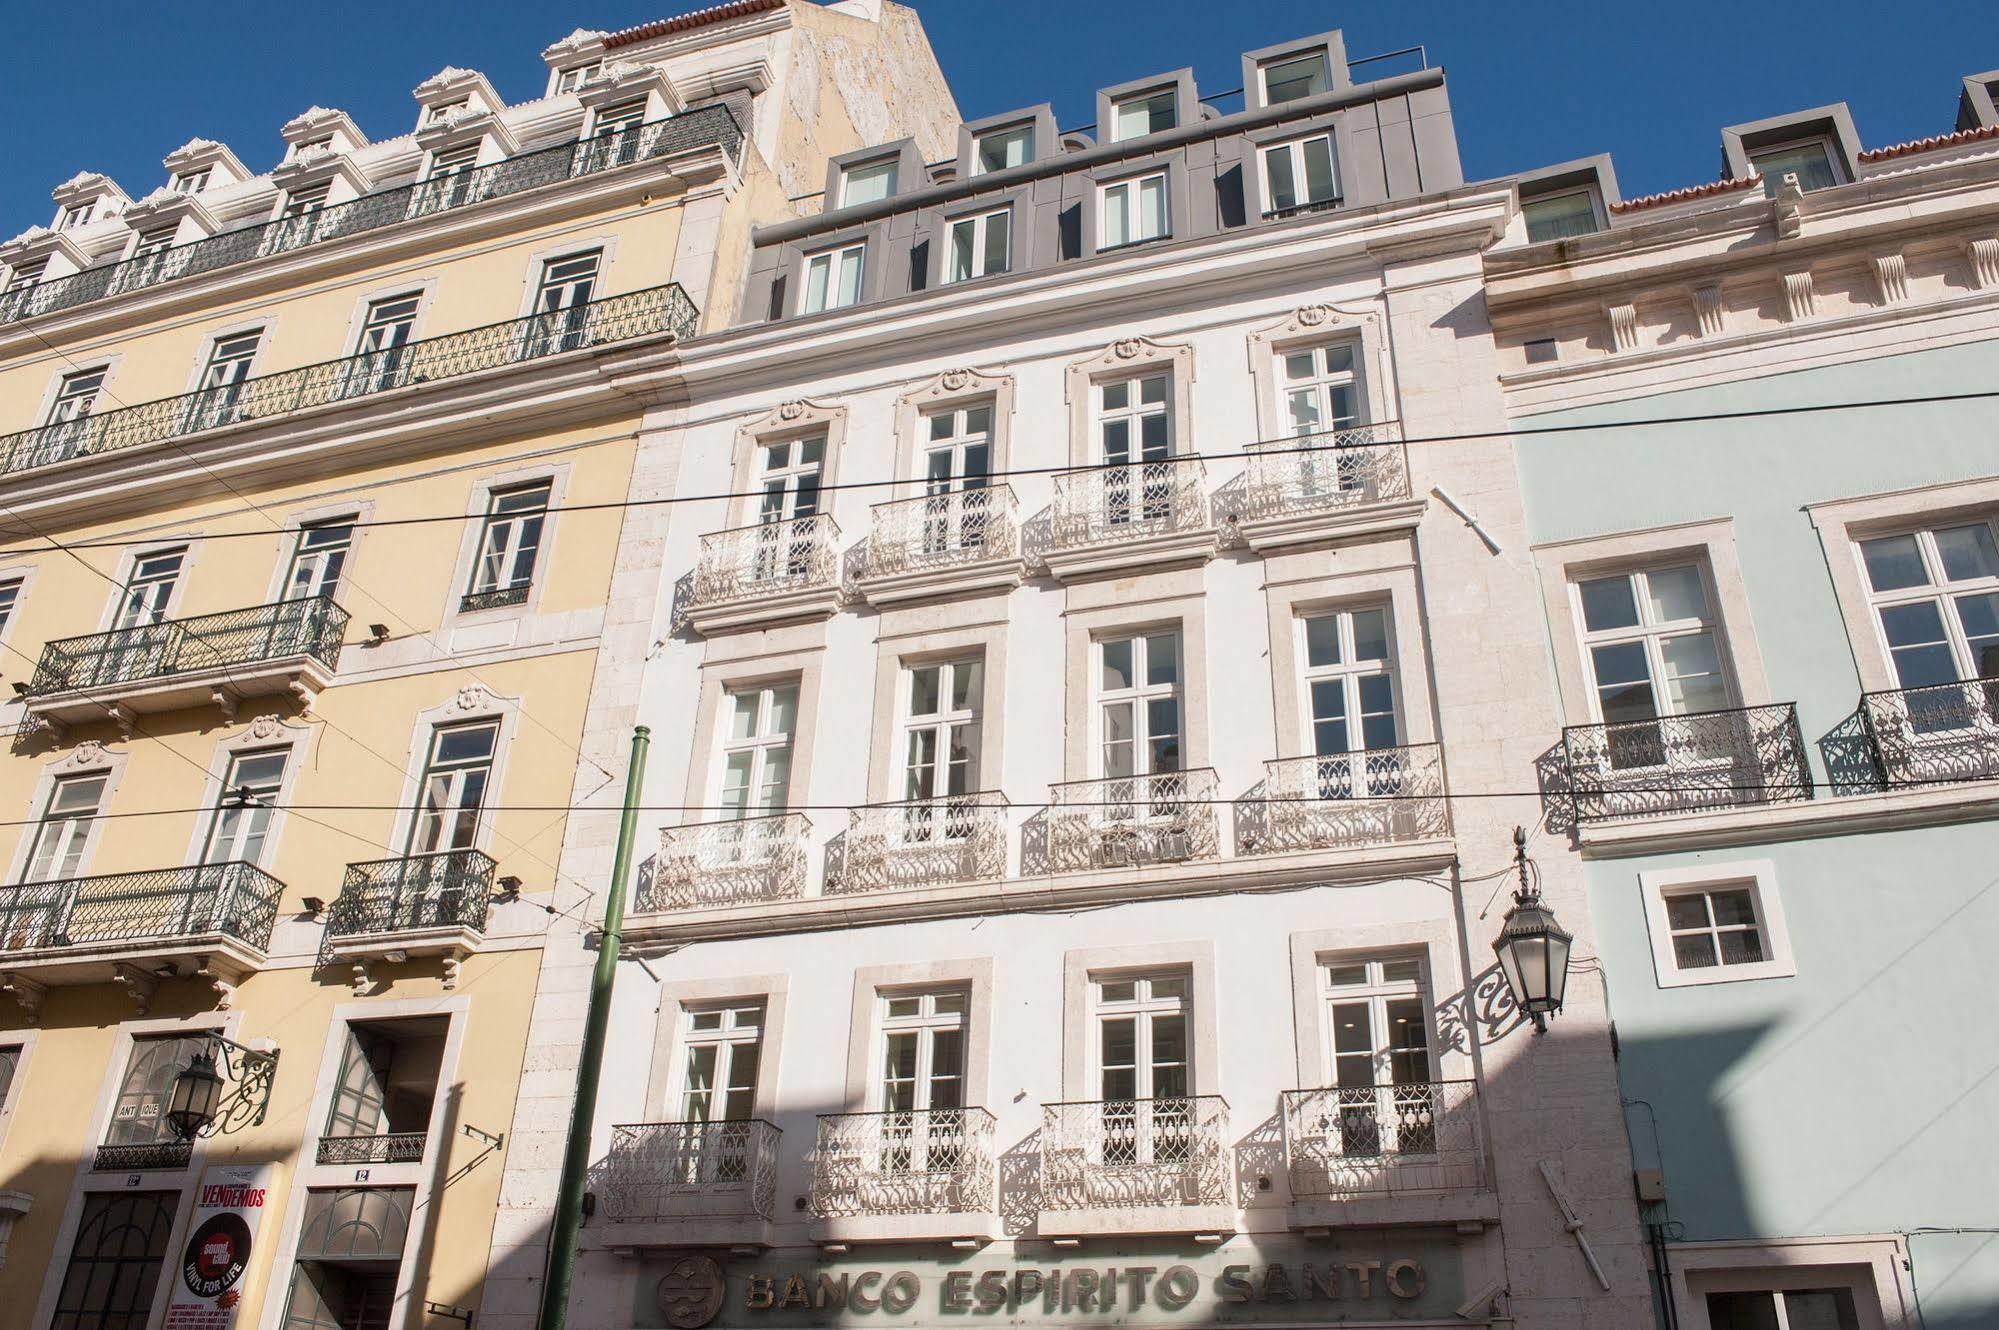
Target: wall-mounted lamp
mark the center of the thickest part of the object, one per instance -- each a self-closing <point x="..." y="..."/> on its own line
<point x="314" y="905"/>
<point x="510" y="889"/>
<point x="1533" y="949"/>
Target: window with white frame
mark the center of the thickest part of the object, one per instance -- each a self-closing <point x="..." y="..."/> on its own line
<point x="509" y="544"/>
<point x="1349" y="673"/>
<point x="24" y="275"/>
<point x="1141" y="1043"/>
<point x="867" y="182"/>
<point x="616" y="119"/>
<point x="64" y="829"/>
<point x="1319" y="389"/>
<point x="574" y="77"/>
<point x="957" y="447"/>
<point x="789" y="473"/>
<point x="562" y="302"/>
<point x="1290" y="77"/>
<point x="322" y="144"/>
<point x="941" y="730"/>
<point x="1784" y="1309"/>
<point x="1133" y="211"/>
<point x="833" y="278"/>
<point x="1139" y="723"/>
<point x="192" y="182"/>
<point x="10" y="596"/>
<point x="756" y="749"/>
<point x="1001" y="148"/>
<point x="307" y="199"/>
<point x="76" y="396"/>
<point x="1300" y="175"/>
<point x="149" y="588"/>
<point x="377" y="362"/>
<point x="1935" y="593"/>
<point x="156" y="240"/>
<point x="454" y="161"/>
<point x="1571" y="212"/>
<point x="242" y="817"/>
<point x="318" y="558"/>
<point x="981" y="245"/>
<point x="443" y="111"/>
<point x="76" y="215"/>
<point x="1144" y="113"/>
<point x="1716" y="923"/>
<point x="1135" y="443"/>
<point x="229" y="361"/>
<point x="452" y="791"/>
<point x="1810" y="160"/>
<point x="10" y="1067"/>
<point x="1377" y="1049"/>
<point x="722" y="1049"/>
<point x="1653" y="644"/>
<point x="922" y="1050"/>
<point x="1714" y="926"/>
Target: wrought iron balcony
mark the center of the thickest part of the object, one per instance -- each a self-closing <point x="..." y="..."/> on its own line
<point x="399" y="1147"/>
<point x="771" y="559"/>
<point x="649" y="313"/>
<point x="935" y="1161"/>
<point x="1127" y="821"/>
<point x="142" y="1157"/>
<point x="704" y="127"/>
<point x="420" y="892"/>
<point x="232" y="900"/>
<point x="1935" y="735"/>
<point x="1128" y="1154"/>
<point x="1678" y="764"/>
<point x="1325" y="472"/>
<point x="1377" y="797"/>
<point x="940" y="531"/>
<point x="958" y="838"/>
<point x="234" y="643"/>
<point x="733" y="862"/>
<point x="689" y="1170"/>
<point x="1378" y="1140"/>
<point x="1113" y="505"/>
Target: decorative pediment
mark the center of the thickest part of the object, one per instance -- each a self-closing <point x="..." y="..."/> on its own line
<point x="616" y="83"/>
<point x="319" y="122"/>
<point x="224" y="166"/>
<point x="578" y="45"/>
<point x="166" y="206"/>
<point x="314" y="166"/>
<point x="1129" y="355"/>
<point x="468" y="126"/>
<point x="452" y="85"/>
<point x="39" y="243"/>
<point x="88" y="187"/>
<point x="90" y="755"/>
<point x="1320" y="320"/>
<point x="956" y="385"/>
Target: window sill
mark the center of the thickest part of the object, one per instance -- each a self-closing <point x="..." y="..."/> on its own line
<point x="1134" y="244"/>
<point x="1333" y="204"/>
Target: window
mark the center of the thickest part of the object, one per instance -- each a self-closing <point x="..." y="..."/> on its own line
<point x="1349" y="677"/>
<point x="789" y="476"/>
<point x="10" y="1067"/>
<point x="448" y="161"/>
<point x="1147" y="113"/>
<point x="115" y="1262"/>
<point x="64" y="831"/>
<point x="957" y="448"/>
<point x="1294" y="76"/>
<point x="76" y="215"/>
<point x="243" y="816"/>
<point x="1320" y="389"/>
<point x="1133" y="211"/>
<point x="139" y="1115"/>
<point x="24" y="275"/>
<point x="453" y="788"/>
<point x="445" y="110"/>
<point x="867" y="182"/>
<point x="378" y="360"/>
<point x="1714" y="927"/>
<point x="1002" y="148"/>
<point x="941" y="730"/>
<point x="574" y="77"/>
<point x="77" y="395"/>
<point x="1809" y="161"/>
<point x="562" y="303"/>
<point x="923" y="1055"/>
<point x="450" y="181"/>
<point x="1936" y="596"/>
<point x="980" y="245"/>
<point x="192" y="182"/>
<point x="724" y="1046"/>
<point x="1542" y="351"/>
<point x="387" y="1088"/>
<point x="756" y="754"/>
<point x="10" y="595"/>
<point x="1378" y="1050"/>
<point x="1652" y="640"/>
<point x="321" y="144"/>
<point x="614" y="137"/>
<point x="1558" y="216"/>
<point x="1786" y="1309"/>
<point x="310" y="199"/>
<point x="509" y="543"/>
<point x="149" y="588"/>
<point x="1135" y="437"/>
<point x="318" y="558"/>
<point x="349" y="1258"/>
<point x="615" y="119"/>
<point x="153" y="241"/>
<point x="1141" y="1042"/>
<point x="1300" y="175"/>
<point x="229" y="359"/>
<point x="1716" y="923"/>
<point x="833" y="279"/>
<point x="1138" y="705"/>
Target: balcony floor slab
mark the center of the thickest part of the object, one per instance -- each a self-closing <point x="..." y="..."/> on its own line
<point x="1401" y="1210"/>
<point x="725" y="1231"/>
<point x="1127" y="1221"/>
<point x="1326" y="526"/>
<point x="298" y="675"/>
<point x="965" y="579"/>
<point x="821" y="602"/>
<point x="137" y="963"/>
<point x="1114" y="555"/>
<point x="981" y="1227"/>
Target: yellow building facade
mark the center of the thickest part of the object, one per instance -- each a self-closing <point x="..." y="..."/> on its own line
<point x="313" y="485"/>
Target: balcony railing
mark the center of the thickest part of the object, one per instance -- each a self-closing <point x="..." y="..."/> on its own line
<point x="689" y="1170"/>
<point x="399" y="1147"/>
<point x="768" y="559"/>
<point x="1132" y="1153"/>
<point x="1126" y="821"/>
<point x="731" y="862"/>
<point x="935" y="1161"/>
<point x="311" y="626"/>
<point x="706" y="126"/>
<point x="142" y="1157"/>
<point x="647" y="313"/>
<point x="1349" y="468"/>
<point x="237" y="900"/>
<point x="1110" y="505"/>
<point x="1677" y="764"/>
<point x="942" y="531"/>
<point x="1377" y="797"/>
<point x="1937" y="734"/>
<point x="957" y="838"/>
<point x="452" y="889"/>
<point x="1375" y="1140"/>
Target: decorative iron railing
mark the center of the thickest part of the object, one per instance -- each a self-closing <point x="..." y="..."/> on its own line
<point x="1346" y="468"/>
<point x="942" y="530"/>
<point x="1377" y="797"/>
<point x="498" y="598"/>
<point x="956" y="838"/>
<point x="142" y="1157"/>
<point x="728" y="863"/>
<point x="647" y="313"/>
<point x="237" y="900"/>
<point x="1375" y="1140"/>
<point x="1119" y="1154"/>
<point x="692" y="1170"/>
<point x="925" y="1161"/>
<point x="768" y="559"/>
<point x="1109" y="505"/>
<point x="706" y="126"/>
<point x="1676" y="764"/>
<point x="311" y="626"/>
<point x="1935" y="735"/>
<point x="1125" y="821"/>
<point x="451" y="889"/>
<point x="397" y="1147"/>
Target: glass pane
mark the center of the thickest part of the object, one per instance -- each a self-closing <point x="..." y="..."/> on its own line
<point x="743" y="715"/>
<point x="995" y="257"/>
<point x="1169" y="1039"/>
<point x="947" y="1004"/>
<point x="1119" y="1046"/>
<point x="961" y="251"/>
<point x="1345" y="976"/>
<point x="865" y="184"/>
<point x="1676" y="594"/>
<point x="1117" y="990"/>
<point x="783" y="710"/>
<point x="1741" y="946"/>
<point x="1322" y="640"/>
<point x="1299" y="76"/>
<point x="1409" y="972"/>
<point x="1162" y="721"/>
<point x="1694" y="951"/>
<point x="1162" y="658"/>
<point x="923" y="691"/>
<point x="1894" y="562"/>
<point x="1319" y="183"/>
<point x="1820" y="1309"/>
<point x="1370" y="635"/>
<point x="1353" y="1029"/>
<point x="1152" y="389"/>
<point x="1733" y="907"/>
<point x="1116" y="224"/>
<point x="1152" y="207"/>
<point x="1967" y="552"/>
<point x="1689" y="911"/>
<point x="1608" y="603"/>
<point x="1694" y="681"/>
<point x="966" y="679"/>
<point x="1117" y="664"/>
<point x="1620" y="664"/>
<point x="1557" y="218"/>
<point x="1298" y="365"/>
<point x="1119" y="758"/>
<point x="1916" y="641"/>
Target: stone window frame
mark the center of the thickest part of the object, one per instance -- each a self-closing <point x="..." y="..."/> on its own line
<point x="477" y="504"/>
<point x="536" y="263"/>
<point x="1083" y="966"/>
<point x="797" y="419"/>
<point x="1760" y="875"/>
<point x="259" y="734"/>
<point x="361" y="510"/>
<point x="864" y="1025"/>
<point x="872" y="236"/>
<point x="950" y="390"/>
<point x="1843" y="523"/>
<point x="67" y="370"/>
<point x="22" y="575"/>
<point x="1708" y="543"/>
<point x="424" y="288"/>
<point x="1315" y="326"/>
<point x="665" y="1081"/>
<point x="264" y="327"/>
<point x="87" y="758"/>
<point x="23" y="1041"/>
<point x="189" y="540"/>
<point x="796" y="653"/>
<point x="1117" y="609"/>
<point x="1870" y="1264"/>
<point x="913" y="638"/>
<point x="1127" y="357"/>
<point x="1434" y="939"/>
<point x="472" y="702"/>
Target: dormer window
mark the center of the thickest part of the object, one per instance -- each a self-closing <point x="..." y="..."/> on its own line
<point x="76" y="215"/>
<point x="192" y="182"/>
<point x="26" y="274"/>
<point x="307" y="200"/>
<point x="1572" y="212"/>
<point x="833" y="279"/>
<point x="867" y="182"/>
<point x="1133" y="211"/>
<point x="1288" y="78"/>
<point x="1147" y="113"/>
<point x="1300" y="176"/>
<point x="1809" y="161"/>
<point x="324" y="144"/>
<point x="153" y="241"/>
<point x="442" y="112"/>
<point x="1003" y="148"/>
<point x="450" y="161"/>
<point x="574" y="77"/>
<point x="622" y="116"/>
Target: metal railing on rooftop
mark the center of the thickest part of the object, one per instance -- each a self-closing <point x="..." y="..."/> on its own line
<point x="309" y="626"/>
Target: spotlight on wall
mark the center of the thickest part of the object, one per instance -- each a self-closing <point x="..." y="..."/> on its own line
<point x="378" y="633"/>
<point x="314" y="905"/>
<point x="510" y="889"/>
<point x="20" y="688"/>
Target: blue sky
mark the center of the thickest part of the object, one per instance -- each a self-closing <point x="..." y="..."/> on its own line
<point x="1530" y="83"/>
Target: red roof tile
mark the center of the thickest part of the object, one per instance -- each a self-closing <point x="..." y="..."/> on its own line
<point x="1930" y="144"/>
<point x="1711" y="188"/>
<point x="645" y="32"/>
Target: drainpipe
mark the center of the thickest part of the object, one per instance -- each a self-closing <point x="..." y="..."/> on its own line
<point x="576" y="1155"/>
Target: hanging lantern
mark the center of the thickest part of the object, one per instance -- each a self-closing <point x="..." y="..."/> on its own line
<point x="1533" y="949"/>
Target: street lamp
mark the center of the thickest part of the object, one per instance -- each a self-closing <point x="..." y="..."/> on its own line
<point x="1533" y="949"/>
<point x="196" y="1092"/>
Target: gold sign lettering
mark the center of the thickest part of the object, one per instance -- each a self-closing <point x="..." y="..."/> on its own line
<point x="1405" y="1279"/>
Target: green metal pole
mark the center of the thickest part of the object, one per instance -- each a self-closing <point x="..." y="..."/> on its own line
<point x="576" y="1157"/>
